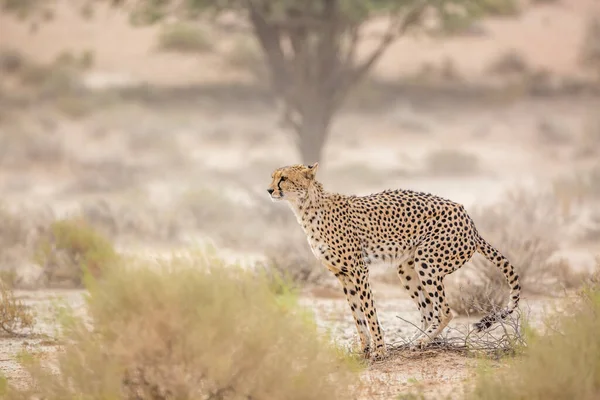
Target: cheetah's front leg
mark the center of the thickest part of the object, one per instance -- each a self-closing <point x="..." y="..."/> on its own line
<point x="371" y="315"/>
<point x="356" y="306"/>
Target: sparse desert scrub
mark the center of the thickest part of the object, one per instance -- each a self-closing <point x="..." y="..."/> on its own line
<point x="590" y="51"/>
<point x="510" y="63"/>
<point x="452" y="162"/>
<point x="105" y="176"/>
<point x="188" y="329"/>
<point x="245" y="54"/>
<point x="15" y="317"/>
<point x="13" y="236"/>
<point x="564" y="363"/>
<point x="11" y="60"/>
<point x="183" y="37"/>
<point x="589" y="145"/>
<point x="68" y="249"/>
<point x="291" y="258"/>
<point x="25" y="144"/>
<point x="579" y="187"/>
<point x="133" y="220"/>
<point x="526" y="227"/>
<point x="17" y="235"/>
<point x="580" y="191"/>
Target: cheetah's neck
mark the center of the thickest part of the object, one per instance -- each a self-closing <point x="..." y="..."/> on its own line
<point x="308" y="208"/>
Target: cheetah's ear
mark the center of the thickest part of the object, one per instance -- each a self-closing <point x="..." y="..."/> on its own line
<point x="312" y="170"/>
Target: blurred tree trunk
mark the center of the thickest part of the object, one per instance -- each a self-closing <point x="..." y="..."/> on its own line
<point x="311" y="57"/>
<point x="312" y="134"/>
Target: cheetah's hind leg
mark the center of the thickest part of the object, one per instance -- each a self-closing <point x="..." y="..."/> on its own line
<point x="410" y="281"/>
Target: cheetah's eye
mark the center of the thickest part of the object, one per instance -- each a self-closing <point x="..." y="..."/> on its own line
<point x="283" y="179"/>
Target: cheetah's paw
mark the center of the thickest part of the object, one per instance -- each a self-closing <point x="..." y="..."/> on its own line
<point x="420" y="343"/>
<point x="379" y="354"/>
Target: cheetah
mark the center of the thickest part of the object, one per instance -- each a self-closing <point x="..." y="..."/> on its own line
<point x="425" y="238"/>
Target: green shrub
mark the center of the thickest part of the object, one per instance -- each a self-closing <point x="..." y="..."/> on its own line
<point x="190" y="328"/>
<point x="70" y="247"/>
<point x="563" y="364"/>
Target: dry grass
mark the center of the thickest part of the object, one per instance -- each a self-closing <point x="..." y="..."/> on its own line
<point x="68" y="249"/>
<point x="11" y="60"/>
<point x="509" y="63"/>
<point x="25" y="144"/>
<point x="133" y="221"/>
<point x="589" y="145"/>
<point x="292" y="259"/>
<point x="562" y="364"/>
<point x="525" y="227"/>
<point x="13" y="233"/>
<point x="506" y="338"/>
<point x="590" y="51"/>
<point x="189" y="329"/>
<point x="105" y="176"/>
<point x="579" y="187"/>
<point x="17" y="235"/>
<point x="15" y="317"/>
<point x="449" y="162"/>
<point x="246" y="55"/>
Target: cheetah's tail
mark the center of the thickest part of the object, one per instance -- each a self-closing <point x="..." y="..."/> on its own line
<point x="493" y="255"/>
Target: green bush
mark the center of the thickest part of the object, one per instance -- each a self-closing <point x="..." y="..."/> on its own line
<point x="70" y="247"/>
<point x="190" y="328"/>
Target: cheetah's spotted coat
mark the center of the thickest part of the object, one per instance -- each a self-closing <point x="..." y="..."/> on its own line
<point x="424" y="236"/>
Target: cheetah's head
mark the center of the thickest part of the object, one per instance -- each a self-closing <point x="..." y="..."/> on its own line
<point x="292" y="182"/>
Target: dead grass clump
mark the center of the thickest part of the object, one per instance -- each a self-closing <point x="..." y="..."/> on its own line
<point x="562" y="364"/>
<point x="246" y="55"/>
<point x="525" y="228"/>
<point x="25" y="145"/>
<point x="482" y="292"/>
<point x="190" y="329"/>
<point x="594" y="278"/>
<point x="11" y="60"/>
<point x="183" y="37"/>
<point x="590" y="51"/>
<point x="135" y="221"/>
<point x="13" y="230"/>
<point x="214" y="212"/>
<point x="589" y="145"/>
<point x="105" y="176"/>
<point x="15" y="317"/>
<point x="16" y="232"/>
<point x="449" y="162"/>
<point x="510" y="63"/>
<point x="50" y="80"/>
<point x="68" y="249"/>
<point x="293" y="260"/>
